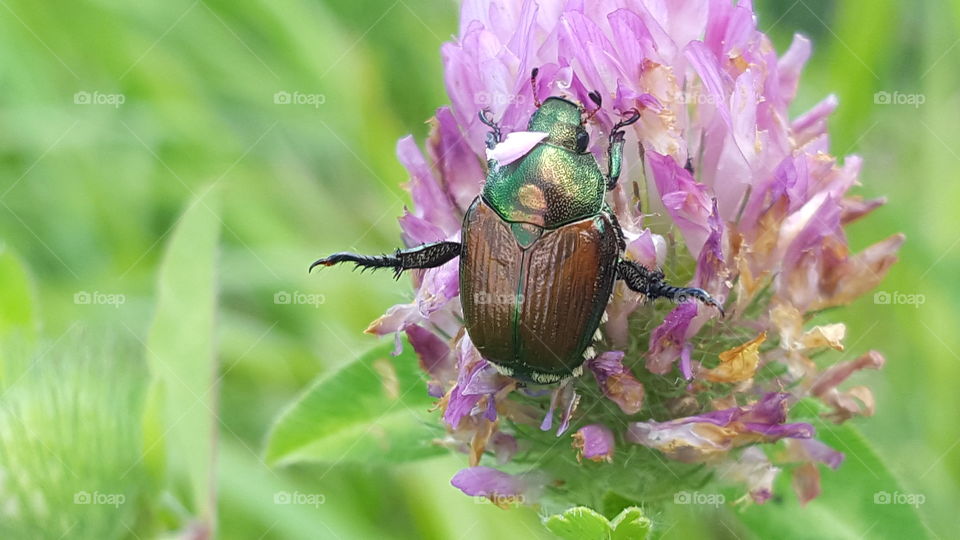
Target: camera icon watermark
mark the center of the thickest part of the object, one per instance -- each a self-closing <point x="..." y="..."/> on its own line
<point x="296" y="497"/>
<point x="897" y="298"/>
<point x="486" y="99"/>
<point x="484" y="298"/>
<point x="698" y="498"/>
<point x="697" y="97"/>
<point x="84" y="97"/>
<point x="97" y="298"/>
<point x="898" y="98"/>
<point x="503" y="501"/>
<point x="911" y="499"/>
<point x="284" y="97"/>
<point x="108" y="499"/>
<point x="297" y="298"/>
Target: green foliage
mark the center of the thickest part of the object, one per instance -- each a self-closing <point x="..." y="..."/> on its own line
<point x="89" y="196"/>
<point x="582" y="523"/>
<point x="18" y="317"/>
<point x="69" y="442"/>
<point x="371" y="411"/>
<point x="861" y="499"/>
<point x="180" y="423"/>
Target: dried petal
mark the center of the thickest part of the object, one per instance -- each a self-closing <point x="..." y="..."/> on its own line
<point x="617" y="382"/>
<point x="739" y="363"/>
<point x="594" y="442"/>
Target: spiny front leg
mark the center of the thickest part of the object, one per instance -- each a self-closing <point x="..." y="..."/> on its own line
<point x="425" y="256"/>
<point x="651" y="284"/>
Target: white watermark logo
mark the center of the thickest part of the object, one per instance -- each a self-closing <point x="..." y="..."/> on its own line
<point x="485" y="298"/>
<point x="485" y="99"/>
<point x="296" y="497"/>
<point x="299" y="98"/>
<point x="109" y="499"/>
<point x="698" y="498"/>
<point x="297" y="298"/>
<point x="98" y="98"/>
<point x="502" y="501"/>
<point x="97" y="298"/>
<point x="911" y="499"/>
<point x="696" y="97"/>
<point x="897" y="298"/>
<point x="898" y="98"/>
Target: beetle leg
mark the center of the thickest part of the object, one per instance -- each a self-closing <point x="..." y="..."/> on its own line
<point x="651" y="284"/>
<point x="425" y="256"/>
<point x="615" y="150"/>
<point x="494" y="136"/>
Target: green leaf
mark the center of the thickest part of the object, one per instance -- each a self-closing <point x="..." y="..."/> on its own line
<point x="180" y="418"/>
<point x="631" y="524"/>
<point x="374" y="410"/>
<point x="852" y="502"/>
<point x="583" y="523"/>
<point x="579" y="523"/>
<point x="17" y="315"/>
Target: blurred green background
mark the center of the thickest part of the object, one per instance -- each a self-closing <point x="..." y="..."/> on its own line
<point x="90" y="192"/>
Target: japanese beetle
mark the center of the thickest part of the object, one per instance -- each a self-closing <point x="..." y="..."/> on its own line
<point x="540" y="235"/>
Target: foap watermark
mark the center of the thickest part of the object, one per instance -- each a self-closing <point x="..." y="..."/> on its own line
<point x="698" y="498"/>
<point x="486" y="99"/>
<point x="911" y="499"/>
<point x="296" y="497"/>
<point x="297" y="298"/>
<point x="696" y="97"/>
<point x="897" y="298"/>
<point x="898" y="98"/>
<point x="98" y="98"/>
<point x="485" y="298"/>
<point x="108" y="499"/>
<point x="283" y="97"/>
<point x="97" y="298"/>
<point x="502" y="501"/>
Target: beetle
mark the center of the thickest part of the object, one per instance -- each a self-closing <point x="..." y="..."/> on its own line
<point x="540" y="249"/>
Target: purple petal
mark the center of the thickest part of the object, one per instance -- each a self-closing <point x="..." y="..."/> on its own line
<point x="686" y="201"/>
<point x="435" y="355"/>
<point x="417" y="230"/>
<point x="504" y="446"/>
<point x="668" y="339"/>
<point x="594" y="442"/>
<point x="617" y="381"/>
<point x="790" y="65"/>
<point x="706" y="436"/>
<point x="813" y="123"/>
<point x="815" y="450"/>
<point x="754" y="470"/>
<point x="496" y="485"/>
<point x="461" y="170"/>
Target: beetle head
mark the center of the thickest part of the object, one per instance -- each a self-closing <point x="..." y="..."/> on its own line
<point x="561" y="118"/>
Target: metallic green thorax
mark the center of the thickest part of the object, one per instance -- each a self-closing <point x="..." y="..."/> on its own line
<point x="558" y="182"/>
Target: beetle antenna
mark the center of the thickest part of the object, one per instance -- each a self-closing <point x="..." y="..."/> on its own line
<point x="598" y="100"/>
<point x="533" y="86"/>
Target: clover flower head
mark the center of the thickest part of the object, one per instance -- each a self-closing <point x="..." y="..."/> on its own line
<point x="720" y="187"/>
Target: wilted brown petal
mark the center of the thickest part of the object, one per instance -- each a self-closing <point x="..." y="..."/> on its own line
<point x="806" y="482"/>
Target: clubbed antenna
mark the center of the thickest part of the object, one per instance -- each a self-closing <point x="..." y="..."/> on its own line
<point x="598" y="100"/>
<point x="533" y="85"/>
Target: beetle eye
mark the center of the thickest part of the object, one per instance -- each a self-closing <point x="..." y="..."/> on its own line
<point x="582" y="141"/>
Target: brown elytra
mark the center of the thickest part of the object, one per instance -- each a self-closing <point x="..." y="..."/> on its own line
<point x="533" y="298"/>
